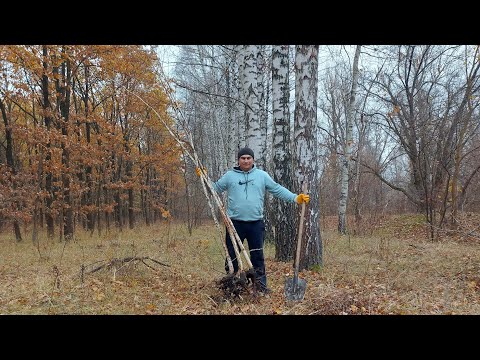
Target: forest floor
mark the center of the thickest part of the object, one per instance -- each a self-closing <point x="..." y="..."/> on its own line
<point x="391" y="269"/>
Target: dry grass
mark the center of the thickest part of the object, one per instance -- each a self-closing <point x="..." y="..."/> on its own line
<point x="393" y="271"/>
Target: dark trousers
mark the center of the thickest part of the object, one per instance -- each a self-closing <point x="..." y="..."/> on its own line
<point x="254" y="232"/>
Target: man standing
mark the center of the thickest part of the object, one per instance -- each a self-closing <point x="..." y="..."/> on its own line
<point x="245" y="185"/>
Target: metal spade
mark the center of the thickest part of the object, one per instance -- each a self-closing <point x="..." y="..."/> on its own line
<point x="295" y="287"/>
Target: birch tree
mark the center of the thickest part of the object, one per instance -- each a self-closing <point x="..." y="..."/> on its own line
<point x="347" y="152"/>
<point x="305" y="150"/>
<point x="241" y="130"/>
<point x="249" y="86"/>
<point x="231" y="79"/>
<point x="282" y="212"/>
<point x="262" y="86"/>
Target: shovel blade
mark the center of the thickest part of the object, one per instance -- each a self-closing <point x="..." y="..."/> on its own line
<point x="293" y="292"/>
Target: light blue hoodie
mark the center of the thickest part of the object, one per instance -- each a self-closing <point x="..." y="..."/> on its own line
<point x="246" y="191"/>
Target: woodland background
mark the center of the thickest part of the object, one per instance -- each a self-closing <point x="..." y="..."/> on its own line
<point x="378" y="131"/>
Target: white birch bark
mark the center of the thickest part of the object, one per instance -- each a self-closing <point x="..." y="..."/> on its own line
<point x="305" y="150"/>
<point x="347" y="147"/>
<point x="250" y="89"/>
<point x="241" y="107"/>
<point x="283" y="220"/>
<point x="260" y="158"/>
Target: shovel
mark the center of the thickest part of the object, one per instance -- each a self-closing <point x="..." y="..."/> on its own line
<point x="295" y="287"/>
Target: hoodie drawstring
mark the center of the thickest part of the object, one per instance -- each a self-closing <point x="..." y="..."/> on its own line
<point x="246" y="185"/>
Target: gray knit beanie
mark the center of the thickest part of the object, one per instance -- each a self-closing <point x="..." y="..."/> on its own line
<point x="245" y="151"/>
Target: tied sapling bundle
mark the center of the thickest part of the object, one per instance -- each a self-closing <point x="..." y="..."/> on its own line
<point x="233" y="283"/>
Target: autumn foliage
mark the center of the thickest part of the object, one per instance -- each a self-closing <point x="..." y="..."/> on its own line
<point x="80" y="148"/>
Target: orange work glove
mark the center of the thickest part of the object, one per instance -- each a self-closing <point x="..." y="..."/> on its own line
<point x="302" y="198"/>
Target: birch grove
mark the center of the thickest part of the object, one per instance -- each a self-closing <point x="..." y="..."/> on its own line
<point x="394" y="131"/>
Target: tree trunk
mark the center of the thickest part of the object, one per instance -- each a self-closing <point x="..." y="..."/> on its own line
<point x="48" y="156"/>
<point x="347" y="152"/>
<point x="282" y="212"/>
<point x="306" y="151"/>
<point x="232" y="139"/>
<point x="254" y="138"/>
<point x="10" y="163"/>
<point x="88" y="168"/>
<point x="131" y="204"/>
<point x="63" y="90"/>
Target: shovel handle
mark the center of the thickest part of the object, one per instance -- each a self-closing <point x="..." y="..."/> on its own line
<point x="299" y="237"/>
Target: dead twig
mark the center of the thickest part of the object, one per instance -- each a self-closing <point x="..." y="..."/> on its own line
<point x="116" y="263"/>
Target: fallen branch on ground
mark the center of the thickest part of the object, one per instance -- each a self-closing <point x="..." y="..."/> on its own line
<point x="118" y="263"/>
